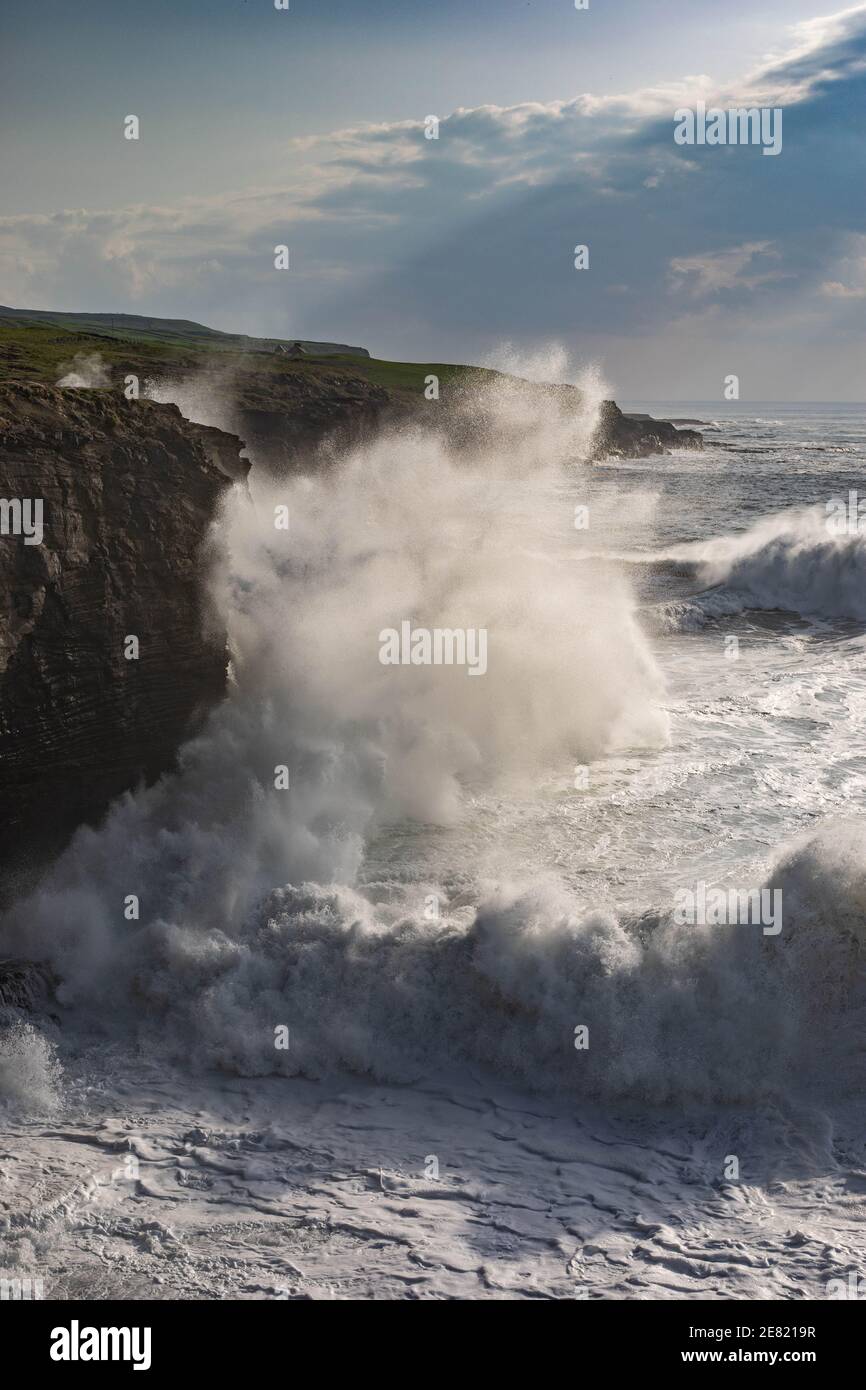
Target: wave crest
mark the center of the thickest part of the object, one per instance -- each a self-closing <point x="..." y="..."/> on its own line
<point x="793" y="562"/>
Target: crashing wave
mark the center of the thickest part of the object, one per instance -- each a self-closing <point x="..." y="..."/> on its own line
<point x="796" y="561"/>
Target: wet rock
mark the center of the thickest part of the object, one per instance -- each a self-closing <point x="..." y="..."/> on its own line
<point x="129" y="490"/>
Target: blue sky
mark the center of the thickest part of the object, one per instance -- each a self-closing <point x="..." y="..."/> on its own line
<point x="260" y="127"/>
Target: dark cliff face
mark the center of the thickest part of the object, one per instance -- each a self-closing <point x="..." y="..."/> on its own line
<point x="476" y="421"/>
<point x="289" y="421"/>
<point x="129" y="490"/>
<point x="284" y="418"/>
<point x="287" y="408"/>
<point x="630" y="436"/>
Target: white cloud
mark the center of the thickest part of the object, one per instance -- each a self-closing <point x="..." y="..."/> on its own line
<point x="730" y="269"/>
<point x="395" y="235"/>
<point x="833" y="289"/>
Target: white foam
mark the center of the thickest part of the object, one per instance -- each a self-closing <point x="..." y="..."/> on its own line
<point x="402" y="530"/>
<point x="790" y="561"/>
<point x="30" y="1074"/>
<point x="250" y="914"/>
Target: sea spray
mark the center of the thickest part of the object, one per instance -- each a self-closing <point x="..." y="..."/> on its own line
<point x="790" y="561"/>
<point x="251" y="918"/>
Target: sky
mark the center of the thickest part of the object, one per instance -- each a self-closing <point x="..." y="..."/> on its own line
<point x="261" y="127"/>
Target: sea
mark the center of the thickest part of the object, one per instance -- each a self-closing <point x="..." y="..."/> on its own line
<point x="450" y="987"/>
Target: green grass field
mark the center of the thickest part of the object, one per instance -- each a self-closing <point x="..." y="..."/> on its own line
<point x="34" y="350"/>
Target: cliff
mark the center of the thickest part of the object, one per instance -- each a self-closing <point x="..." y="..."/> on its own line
<point x="639" y="436"/>
<point x="129" y="490"/>
<point x="284" y="407"/>
<point x="285" y="414"/>
<point x="183" y="332"/>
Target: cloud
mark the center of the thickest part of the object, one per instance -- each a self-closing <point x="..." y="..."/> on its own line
<point x="444" y="247"/>
<point x="835" y="290"/>
<point x="713" y="271"/>
<point x="849" y="271"/>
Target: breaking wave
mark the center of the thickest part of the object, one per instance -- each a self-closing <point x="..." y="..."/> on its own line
<point x="30" y="1074"/>
<point x="213" y="909"/>
<point x="793" y="562"/>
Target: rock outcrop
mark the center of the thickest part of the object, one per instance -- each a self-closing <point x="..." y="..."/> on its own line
<point x="639" y="436"/>
<point x="285" y="418"/>
<point x="129" y="490"/>
<point x="24" y="985"/>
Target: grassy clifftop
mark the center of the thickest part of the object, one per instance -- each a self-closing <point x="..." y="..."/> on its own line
<point x="182" y="331"/>
<point x="283" y="405"/>
<point x="38" y="348"/>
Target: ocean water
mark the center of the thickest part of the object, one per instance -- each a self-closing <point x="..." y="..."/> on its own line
<point x="754" y="611"/>
<point x="465" y="873"/>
